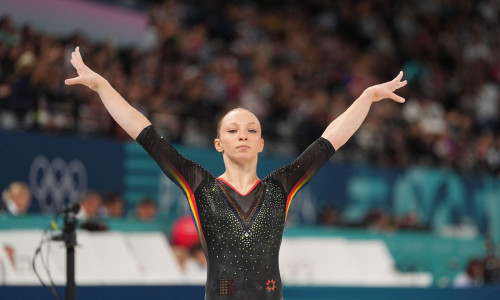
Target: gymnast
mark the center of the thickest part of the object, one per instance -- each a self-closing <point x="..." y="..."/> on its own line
<point x="240" y="218"/>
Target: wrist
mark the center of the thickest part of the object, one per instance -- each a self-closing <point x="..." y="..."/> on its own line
<point x="100" y="83"/>
<point x="368" y="95"/>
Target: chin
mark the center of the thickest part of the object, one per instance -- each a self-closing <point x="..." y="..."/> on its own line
<point x="244" y="156"/>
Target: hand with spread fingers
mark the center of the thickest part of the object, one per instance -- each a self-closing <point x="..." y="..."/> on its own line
<point x="386" y="90"/>
<point x="85" y="76"/>
<point x="345" y="125"/>
<point x="130" y="119"/>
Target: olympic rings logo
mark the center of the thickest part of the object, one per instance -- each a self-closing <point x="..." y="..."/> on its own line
<point x="53" y="182"/>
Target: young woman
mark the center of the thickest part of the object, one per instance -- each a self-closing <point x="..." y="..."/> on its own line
<point x="240" y="218"/>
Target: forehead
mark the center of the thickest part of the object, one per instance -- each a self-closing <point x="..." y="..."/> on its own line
<point x="241" y="117"/>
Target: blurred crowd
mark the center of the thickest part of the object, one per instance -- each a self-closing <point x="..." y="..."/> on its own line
<point x="297" y="65"/>
<point x="94" y="209"/>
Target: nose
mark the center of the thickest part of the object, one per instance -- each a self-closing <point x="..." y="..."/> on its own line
<point x="243" y="135"/>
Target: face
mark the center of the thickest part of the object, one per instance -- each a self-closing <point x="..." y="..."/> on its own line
<point x="115" y="209"/>
<point x="239" y="135"/>
<point x="91" y="203"/>
<point x="146" y="212"/>
<point x="22" y="198"/>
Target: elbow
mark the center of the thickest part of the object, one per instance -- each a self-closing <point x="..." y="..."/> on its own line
<point x="337" y="144"/>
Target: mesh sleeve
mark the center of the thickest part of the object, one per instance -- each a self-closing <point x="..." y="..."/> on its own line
<point x="182" y="171"/>
<point x="298" y="173"/>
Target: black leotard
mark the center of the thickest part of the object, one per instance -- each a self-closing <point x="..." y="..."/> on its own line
<point x="240" y="234"/>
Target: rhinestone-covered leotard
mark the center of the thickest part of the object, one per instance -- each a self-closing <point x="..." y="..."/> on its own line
<point x="240" y="234"/>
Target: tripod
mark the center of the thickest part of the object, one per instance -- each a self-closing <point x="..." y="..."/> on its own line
<point x="68" y="236"/>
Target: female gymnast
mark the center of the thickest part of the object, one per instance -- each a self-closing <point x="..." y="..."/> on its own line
<point x="240" y="218"/>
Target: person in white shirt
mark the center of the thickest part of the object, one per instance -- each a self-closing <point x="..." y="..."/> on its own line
<point x="472" y="276"/>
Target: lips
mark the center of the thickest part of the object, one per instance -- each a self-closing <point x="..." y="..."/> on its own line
<point x="243" y="147"/>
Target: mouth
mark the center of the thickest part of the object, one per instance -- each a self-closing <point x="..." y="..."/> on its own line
<point x="243" y="147"/>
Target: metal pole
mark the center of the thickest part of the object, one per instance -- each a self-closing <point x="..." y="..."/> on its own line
<point x="70" y="274"/>
<point x="69" y="235"/>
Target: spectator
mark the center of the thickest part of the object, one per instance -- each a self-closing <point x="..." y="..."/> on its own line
<point x="145" y="210"/>
<point x="378" y="220"/>
<point x="329" y="216"/>
<point x="89" y="212"/>
<point x="16" y="199"/>
<point x="472" y="276"/>
<point x="113" y="206"/>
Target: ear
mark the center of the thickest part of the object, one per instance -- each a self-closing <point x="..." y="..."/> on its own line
<point x="261" y="145"/>
<point x="218" y="146"/>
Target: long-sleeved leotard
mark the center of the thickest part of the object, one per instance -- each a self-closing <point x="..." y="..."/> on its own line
<point x="240" y="234"/>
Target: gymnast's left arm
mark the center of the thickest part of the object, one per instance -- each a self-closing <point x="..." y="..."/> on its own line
<point x="345" y="125"/>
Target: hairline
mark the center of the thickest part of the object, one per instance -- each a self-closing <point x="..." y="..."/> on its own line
<point x="233" y="110"/>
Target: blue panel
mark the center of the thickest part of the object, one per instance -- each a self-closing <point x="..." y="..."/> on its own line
<point x="60" y="168"/>
<point x="290" y="293"/>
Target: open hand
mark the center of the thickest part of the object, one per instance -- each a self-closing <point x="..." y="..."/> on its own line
<point x="386" y="90"/>
<point x="85" y="76"/>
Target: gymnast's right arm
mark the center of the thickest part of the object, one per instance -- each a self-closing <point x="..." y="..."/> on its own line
<point x="131" y="120"/>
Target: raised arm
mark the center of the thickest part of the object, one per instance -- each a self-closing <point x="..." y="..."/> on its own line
<point x="131" y="120"/>
<point x="345" y="125"/>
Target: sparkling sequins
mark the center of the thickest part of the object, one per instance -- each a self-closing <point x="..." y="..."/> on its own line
<point x="241" y="245"/>
<point x="254" y="197"/>
<point x="247" y="253"/>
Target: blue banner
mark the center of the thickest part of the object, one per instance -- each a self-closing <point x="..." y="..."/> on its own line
<point x="59" y="169"/>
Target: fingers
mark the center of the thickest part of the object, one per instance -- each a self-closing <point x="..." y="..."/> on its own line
<point x="396" y="83"/>
<point x="75" y="62"/>
<point x="399" y="77"/>
<point x="72" y="81"/>
<point x="76" y="58"/>
<point x="397" y="98"/>
<point x="400" y="85"/>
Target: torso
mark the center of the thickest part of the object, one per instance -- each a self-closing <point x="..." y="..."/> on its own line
<point x="240" y="234"/>
<point x="242" y="247"/>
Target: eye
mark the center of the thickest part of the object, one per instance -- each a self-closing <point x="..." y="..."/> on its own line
<point x="252" y="131"/>
<point x="232" y="131"/>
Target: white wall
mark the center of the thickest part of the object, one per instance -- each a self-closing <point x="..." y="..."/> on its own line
<point x="115" y="258"/>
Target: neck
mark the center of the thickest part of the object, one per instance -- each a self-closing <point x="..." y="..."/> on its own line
<point x="242" y="176"/>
